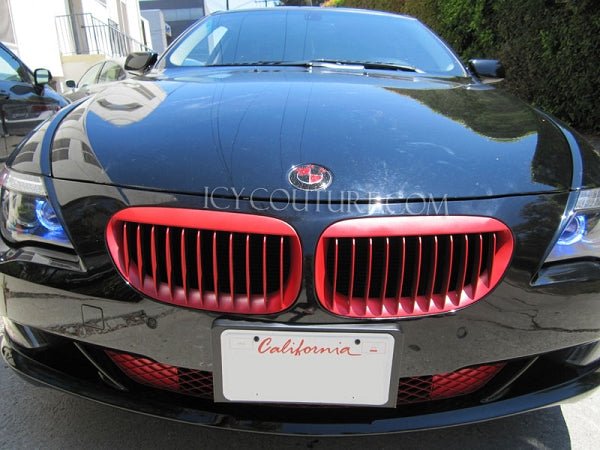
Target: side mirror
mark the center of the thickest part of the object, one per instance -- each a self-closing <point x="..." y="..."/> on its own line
<point x="488" y="70"/>
<point x="71" y="84"/>
<point x="41" y="77"/>
<point x="140" y="61"/>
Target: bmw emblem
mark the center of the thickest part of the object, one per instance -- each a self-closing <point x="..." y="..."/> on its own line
<point x="310" y="177"/>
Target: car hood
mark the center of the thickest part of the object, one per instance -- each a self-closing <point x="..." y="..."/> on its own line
<point x="239" y="132"/>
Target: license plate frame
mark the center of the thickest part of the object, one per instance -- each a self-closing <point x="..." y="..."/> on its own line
<point x="366" y="333"/>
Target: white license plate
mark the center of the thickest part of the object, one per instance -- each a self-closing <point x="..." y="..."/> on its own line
<point x="306" y="367"/>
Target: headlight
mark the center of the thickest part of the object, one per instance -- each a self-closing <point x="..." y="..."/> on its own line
<point x="27" y="214"/>
<point x="580" y="238"/>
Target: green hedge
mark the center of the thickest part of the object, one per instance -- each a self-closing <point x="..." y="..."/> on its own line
<point x="551" y="48"/>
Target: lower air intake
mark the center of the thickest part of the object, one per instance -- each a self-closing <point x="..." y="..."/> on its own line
<point x="199" y="383"/>
<point x="164" y="376"/>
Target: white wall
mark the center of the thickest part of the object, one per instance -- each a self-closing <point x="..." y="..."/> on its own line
<point x="35" y="32"/>
<point x="109" y="9"/>
<point x="35" y="28"/>
<point x="156" y="28"/>
<point x="135" y="25"/>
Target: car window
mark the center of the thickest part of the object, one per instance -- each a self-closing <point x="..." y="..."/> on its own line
<point x="279" y="36"/>
<point x="90" y="76"/>
<point x="111" y="72"/>
<point x="10" y="68"/>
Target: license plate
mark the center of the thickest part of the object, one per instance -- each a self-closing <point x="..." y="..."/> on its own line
<point x="306" y="367"/>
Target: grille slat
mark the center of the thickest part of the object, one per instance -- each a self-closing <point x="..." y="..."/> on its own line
<point x="463" y="257"/>
<point x="139" y="261"/>
<point x="434" y="263"/>
<point x="281" y="278"/>
<point x="153" y="259"/>
<point x="125" y="249"/>
<point x="402" y="268"/>
<point x="490" y="261"/>
<point x="215" y="262"/>
<point x="353" y="265"/>
<point x="247" y="251"/>
<point x="231" y="271"/>
<point x="476" y="272"/>
<point x="199" y="267"/>
<point x="169" y="266"/>
<point x="384" y="279"/>
<point x="264" y="268"/>
<point x="447" y="270"/>
<point x="379" y="270"/>
<point x="221" y="268"/>
<point x="335" y="267"/>
<point x="417" y="268"/>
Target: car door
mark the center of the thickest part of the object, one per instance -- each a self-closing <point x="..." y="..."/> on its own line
<point x="23" y="106"/>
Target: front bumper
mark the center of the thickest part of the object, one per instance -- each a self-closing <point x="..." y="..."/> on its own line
<point x="528" y="392"/>
<point x="85" y="301"/>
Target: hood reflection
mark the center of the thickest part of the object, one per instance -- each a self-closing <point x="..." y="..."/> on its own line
<point x="380" y="136"/>
<point x="128" y="102"/>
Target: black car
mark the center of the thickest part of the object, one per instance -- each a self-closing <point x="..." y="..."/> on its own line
<point x="25" y="100"/>
<point x="305" y="221"/>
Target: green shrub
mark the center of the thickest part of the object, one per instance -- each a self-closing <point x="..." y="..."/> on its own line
<point x="551" y="48"/>
<point x="380" y="5"/>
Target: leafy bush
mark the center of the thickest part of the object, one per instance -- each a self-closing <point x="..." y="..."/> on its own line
<point x="381" y="5"/>
<point x="551" y="48"/>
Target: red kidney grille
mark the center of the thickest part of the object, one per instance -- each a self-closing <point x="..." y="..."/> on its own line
<point x="209" y="260"/>
<point x="409" y="266"/>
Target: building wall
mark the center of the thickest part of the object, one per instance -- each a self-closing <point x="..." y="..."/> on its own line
<point x="7" y="33"/>
<point x="36" y="39"/>
<point x="35" y="33"/>
<point x="156" y="28"/>
<point x="212" y="6"/>
<point x="109" y="10"/>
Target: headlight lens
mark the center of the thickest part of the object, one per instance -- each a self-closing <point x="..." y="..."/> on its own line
<point x="580" y="237"/>
<point x="27" y="214"/>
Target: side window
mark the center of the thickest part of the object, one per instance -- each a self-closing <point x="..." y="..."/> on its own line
<point x="10" y="68"/>
<point x="111" y="72"/>
<point x="90" y="76"/>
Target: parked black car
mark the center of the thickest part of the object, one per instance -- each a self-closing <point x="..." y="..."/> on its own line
<point x="305" y="221"/>
<point x="26" y="100"/>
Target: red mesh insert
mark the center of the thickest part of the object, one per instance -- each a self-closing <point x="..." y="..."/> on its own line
<point x="163" y="376"/>
<point x="409" y="266"/>
<point x="447" y="385"/>
<point x="200" y="383"/>
<point x="210" y="260"/>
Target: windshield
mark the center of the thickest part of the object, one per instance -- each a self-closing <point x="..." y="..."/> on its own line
<point x="282" y="36"/>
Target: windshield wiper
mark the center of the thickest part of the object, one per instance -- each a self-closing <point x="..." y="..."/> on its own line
<point x="263" y="63"/>
<point x="374" y="65"/>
